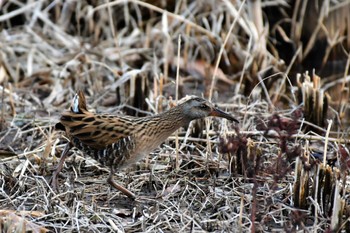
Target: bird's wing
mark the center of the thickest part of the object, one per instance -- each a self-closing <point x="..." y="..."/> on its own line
<point x="94" y="130"/>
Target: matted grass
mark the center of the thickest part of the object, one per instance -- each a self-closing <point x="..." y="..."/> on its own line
<point x="124" y="55"/>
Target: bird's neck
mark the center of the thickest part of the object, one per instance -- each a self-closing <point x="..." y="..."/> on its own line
<point x="159" y="127"/>
<point x="173" y="118"/>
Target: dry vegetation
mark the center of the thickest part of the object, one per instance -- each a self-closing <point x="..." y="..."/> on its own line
<point x="284" y="167"/>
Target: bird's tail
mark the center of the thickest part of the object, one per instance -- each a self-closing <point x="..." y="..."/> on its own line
<point x="78" y="106"/>
<point x="79" y="103"/>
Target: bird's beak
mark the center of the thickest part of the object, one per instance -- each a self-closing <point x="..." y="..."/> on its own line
<point x="218" y="113"/>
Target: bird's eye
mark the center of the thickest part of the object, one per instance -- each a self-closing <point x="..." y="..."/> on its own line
<point x="204" y="106"/>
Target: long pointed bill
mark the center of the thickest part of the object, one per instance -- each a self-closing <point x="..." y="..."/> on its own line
<point x="218" y="113"/>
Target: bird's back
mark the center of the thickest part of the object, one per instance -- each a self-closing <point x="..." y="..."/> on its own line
<point x="108" y="139"/>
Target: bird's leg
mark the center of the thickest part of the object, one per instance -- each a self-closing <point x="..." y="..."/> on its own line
<point x="119" y="187"/>
<point x="60" y="166"/>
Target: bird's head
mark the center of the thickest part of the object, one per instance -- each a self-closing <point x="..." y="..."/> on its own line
<point x="196" y="108"/>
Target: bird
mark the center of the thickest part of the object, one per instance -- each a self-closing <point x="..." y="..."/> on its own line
<point x="118" y="141"/>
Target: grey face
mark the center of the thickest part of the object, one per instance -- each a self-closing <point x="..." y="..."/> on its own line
<point x="197" y="108"/>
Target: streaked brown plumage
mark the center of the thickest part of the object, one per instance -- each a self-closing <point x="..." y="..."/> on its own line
<point x="119" y="141"/>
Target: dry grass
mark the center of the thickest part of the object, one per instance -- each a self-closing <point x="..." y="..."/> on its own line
<point x="127" y="57"/>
